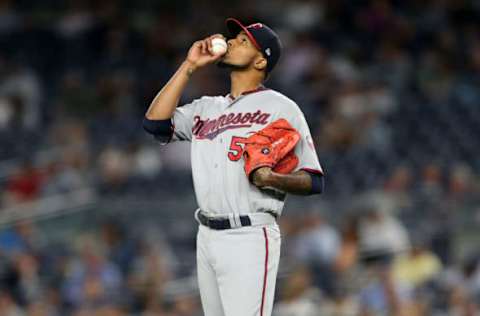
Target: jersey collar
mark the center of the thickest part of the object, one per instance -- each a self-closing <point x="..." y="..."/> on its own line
<point x="260" y="88"/>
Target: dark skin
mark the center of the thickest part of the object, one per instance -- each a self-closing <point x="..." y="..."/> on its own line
<point x="299" y="182"/>
<point x="248" y="69"/>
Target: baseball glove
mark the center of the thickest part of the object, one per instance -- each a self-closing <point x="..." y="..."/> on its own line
<point x="272" y="146"/>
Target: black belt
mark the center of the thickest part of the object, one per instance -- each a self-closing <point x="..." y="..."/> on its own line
<point x="221" y="223"/>
<point x="224" y="223"/>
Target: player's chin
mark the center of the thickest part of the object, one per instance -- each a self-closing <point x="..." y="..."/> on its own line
<point x="223" y="63"/>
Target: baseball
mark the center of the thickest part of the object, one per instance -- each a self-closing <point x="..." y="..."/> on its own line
<point x="219" y="46"/>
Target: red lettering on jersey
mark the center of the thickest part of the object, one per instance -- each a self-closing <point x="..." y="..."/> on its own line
<point x="230" y="118"/>
<point x="221" y="120"/>
<point x="245" y="118"/>
<point x="197" y="124"/>
<point x="237" y="118"/>
<point x="210" y="128"/>
<point x="262" y="119"/>
<point x="254" y="116"/>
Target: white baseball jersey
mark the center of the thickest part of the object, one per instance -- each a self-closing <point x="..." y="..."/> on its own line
<point x="216" y="125"/>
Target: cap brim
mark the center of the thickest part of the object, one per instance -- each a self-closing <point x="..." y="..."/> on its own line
<point x="234" y="26"/>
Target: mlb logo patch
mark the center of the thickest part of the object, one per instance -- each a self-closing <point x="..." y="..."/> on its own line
<point x="255" y="26"/>
<point x="268" y="52"/>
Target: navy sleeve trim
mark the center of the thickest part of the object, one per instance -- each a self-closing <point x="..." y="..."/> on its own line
<point x="318" y="181"/>
<point x="161" y="129"/>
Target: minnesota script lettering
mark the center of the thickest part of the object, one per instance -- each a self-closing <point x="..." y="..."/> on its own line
<point x="210" y="128"/>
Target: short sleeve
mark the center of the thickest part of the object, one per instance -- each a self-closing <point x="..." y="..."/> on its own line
<point x="182" y="120"/>
<point x="305" y="149"/>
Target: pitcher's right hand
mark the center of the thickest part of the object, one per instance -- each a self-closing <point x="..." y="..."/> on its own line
<point x="200" y="54"/>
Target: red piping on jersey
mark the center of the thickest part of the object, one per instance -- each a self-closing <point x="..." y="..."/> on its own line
<point x="266" y="270"/>
<point x="312" y="170"/>
<point x="259" y="89"/>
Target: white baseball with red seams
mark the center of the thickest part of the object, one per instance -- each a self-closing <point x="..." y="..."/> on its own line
<point x="219" y="46"/>
<point x="237" y="267"/>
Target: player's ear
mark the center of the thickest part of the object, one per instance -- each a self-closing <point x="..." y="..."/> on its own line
<point x="260" y="63"/>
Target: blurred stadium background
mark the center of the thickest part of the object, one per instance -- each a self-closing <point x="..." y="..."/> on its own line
<point x="96" y="218"/>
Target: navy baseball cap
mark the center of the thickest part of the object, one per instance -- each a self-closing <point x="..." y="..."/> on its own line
<point x="263" y="37"/>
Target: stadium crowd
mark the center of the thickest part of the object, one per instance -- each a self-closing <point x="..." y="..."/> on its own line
<point x="390" y="91"/>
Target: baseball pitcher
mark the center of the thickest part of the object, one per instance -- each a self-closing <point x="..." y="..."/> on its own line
<point x="249" y="149"/>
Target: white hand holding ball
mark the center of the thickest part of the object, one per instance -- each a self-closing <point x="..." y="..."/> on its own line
<point x="219" y="46"/>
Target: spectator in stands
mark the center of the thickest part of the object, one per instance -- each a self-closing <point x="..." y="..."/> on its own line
<point x="19" y="81"/>
<point x="42" y="309"/>
<point x="462" y="185"/>
<point x="342" y="302"/>
<point x="29" y="285"/>
<point x="114" y="169"/>
<point x="417" y="266"/>
<point x="22" y="237"/>
<point x="186" y="305"/>
<point x="381" y="233"/>
<point x="8" y="305"/>
<point x="91" y="280"/>
<point x="150" y="271"/>
<point x="397" y="188"/>
<point x="316" y="246"/>
<point x="347" y="256"/>
<point x="120" y="248"/>
<point x="431" y="186"/>
<point x="24" y="185"/>
<point x="298" y="296"/>
<point x="68" y="175"/>
<point x="77" y="97"/>
<point x="381" y="294"/>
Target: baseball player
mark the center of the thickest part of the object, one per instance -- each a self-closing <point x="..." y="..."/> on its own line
<point x="238" y="241"/>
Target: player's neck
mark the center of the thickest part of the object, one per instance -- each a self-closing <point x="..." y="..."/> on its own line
<point x="243" y="81"/>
